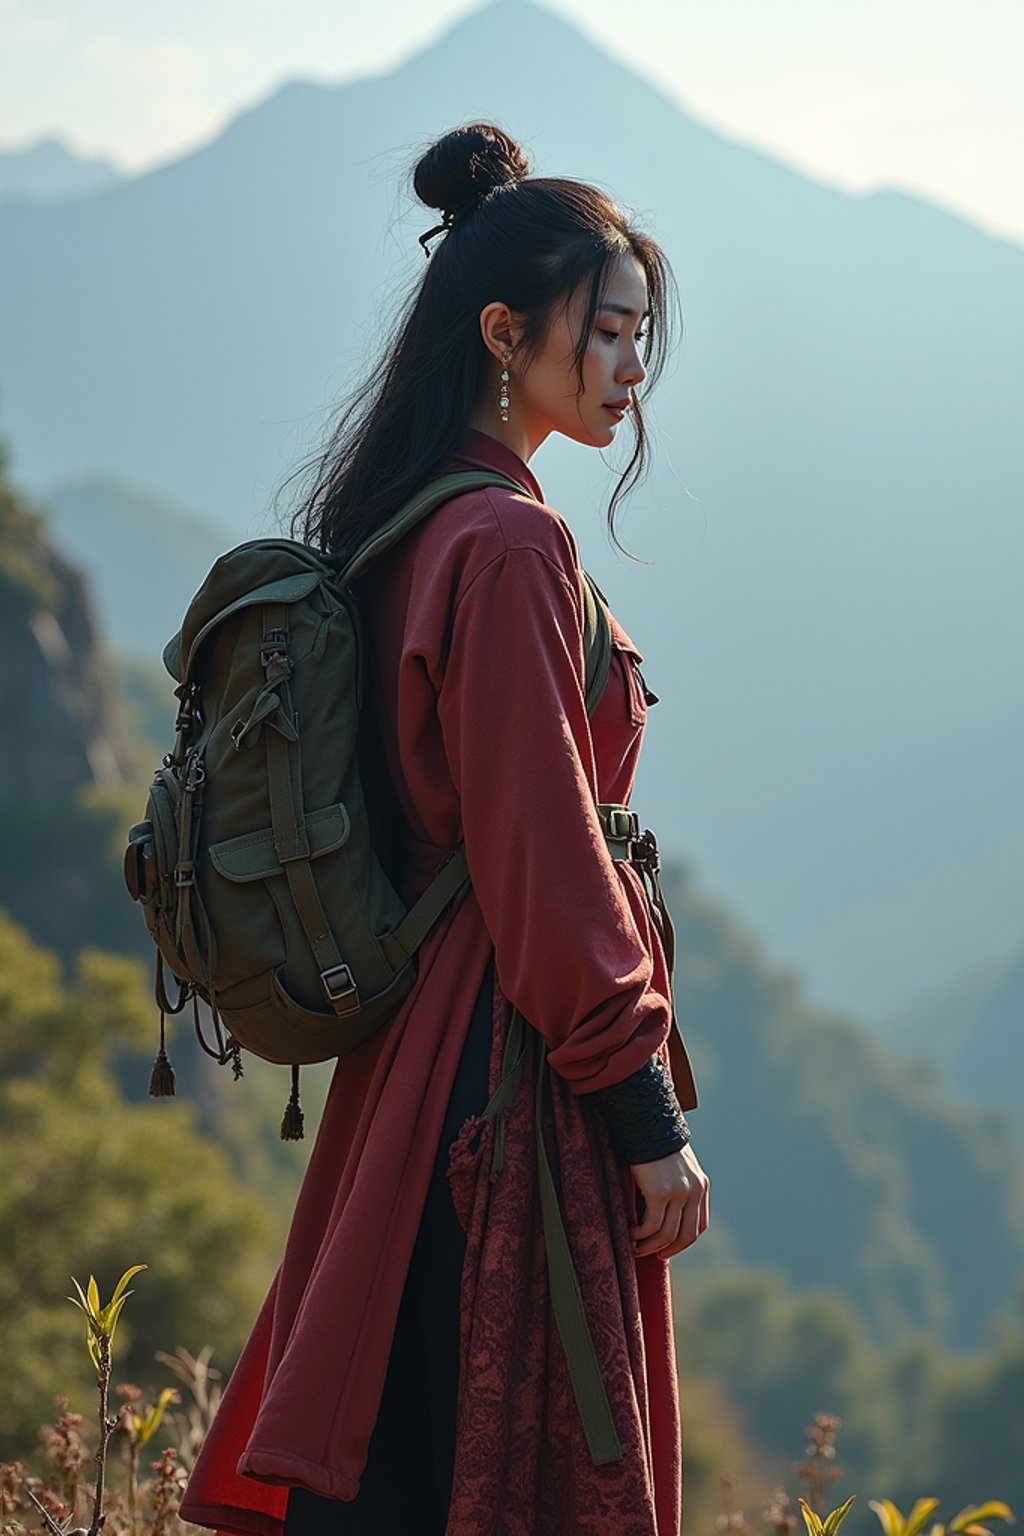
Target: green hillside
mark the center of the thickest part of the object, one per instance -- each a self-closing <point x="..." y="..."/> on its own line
<point x="975" y="1032"/>
<point x="835" y="1163"/>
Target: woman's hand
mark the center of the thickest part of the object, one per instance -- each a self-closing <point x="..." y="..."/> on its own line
<point x="674" y="1190"/>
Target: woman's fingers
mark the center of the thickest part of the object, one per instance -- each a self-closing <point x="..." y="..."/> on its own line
<point x="653" y="1222"/>
<point x="674" y="1192"/>
<point x="666" y="1232"/>
<point x="694" y="1222"/>
<point x="653" y="1216"/>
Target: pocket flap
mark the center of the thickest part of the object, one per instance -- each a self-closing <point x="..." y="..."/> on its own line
<point x="622" y="642"/>
<point x="253" y="856"/>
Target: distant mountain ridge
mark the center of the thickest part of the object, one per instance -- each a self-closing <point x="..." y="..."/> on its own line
<point x="831" y="621"/>
<point x="975" y="1033"/>
<point x="47" y="170"/>
<point x="144" y="556"/>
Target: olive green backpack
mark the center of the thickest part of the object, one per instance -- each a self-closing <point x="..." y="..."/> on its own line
<point x="254" y="865"/>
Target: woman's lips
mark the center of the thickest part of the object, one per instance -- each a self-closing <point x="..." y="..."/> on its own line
<point x="618" y="411"/>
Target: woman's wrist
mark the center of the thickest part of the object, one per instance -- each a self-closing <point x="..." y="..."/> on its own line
<point x="642" y="1115"/>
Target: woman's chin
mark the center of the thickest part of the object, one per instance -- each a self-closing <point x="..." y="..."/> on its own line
<point x="602" y="431"/>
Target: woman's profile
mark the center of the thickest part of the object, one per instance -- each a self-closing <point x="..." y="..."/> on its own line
<point x="470" y="1332"/>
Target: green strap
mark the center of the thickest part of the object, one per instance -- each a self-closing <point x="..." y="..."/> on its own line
<point x="419" y="507"/>
<point x="501" y="1099"/>
<point x="193" y="936"/>
<point x="588" y="1386"/>
<point x="287" y="818"/>
<point x="406" y="939"/>
<point x="292" y="847"/>
<point x="402" y="944"/>
<point x="597" y="641"/>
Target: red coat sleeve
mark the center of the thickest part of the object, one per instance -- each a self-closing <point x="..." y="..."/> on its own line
<point x="574" y="949"/>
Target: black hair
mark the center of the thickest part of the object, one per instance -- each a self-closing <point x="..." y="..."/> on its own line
<point x="533" y="242"/>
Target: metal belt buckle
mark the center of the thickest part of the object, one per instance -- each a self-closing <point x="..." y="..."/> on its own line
<point x="342" y="992"/>
<point x="622" y="824"/>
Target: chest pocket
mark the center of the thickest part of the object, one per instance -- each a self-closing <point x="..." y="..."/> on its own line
<point x="639" y="695"/>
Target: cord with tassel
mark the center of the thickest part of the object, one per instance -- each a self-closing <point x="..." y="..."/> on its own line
<point x="294" y="1120"/>
<point x="161" y="1079"/>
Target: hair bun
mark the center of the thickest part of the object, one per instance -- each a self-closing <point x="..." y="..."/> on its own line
<point x="461" y="167"/>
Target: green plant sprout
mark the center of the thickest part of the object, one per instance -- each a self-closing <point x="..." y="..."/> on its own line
<point x="101" y="1323"/>
<point x="969" y="1522"/>
<point x="140" y="1424"/>
<point x="816" y="1526"/>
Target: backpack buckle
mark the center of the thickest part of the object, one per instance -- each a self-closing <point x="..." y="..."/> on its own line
<point x="274" y="647"/>
<point x="342" y="992"/>
<point x="621" y="827"/>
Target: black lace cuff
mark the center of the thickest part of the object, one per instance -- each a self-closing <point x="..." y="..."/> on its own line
<point x="642" y="1114"/>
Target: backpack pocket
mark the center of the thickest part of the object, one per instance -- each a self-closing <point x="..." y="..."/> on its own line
<point x="248" y="894"/>
<point x="253" y="856"/>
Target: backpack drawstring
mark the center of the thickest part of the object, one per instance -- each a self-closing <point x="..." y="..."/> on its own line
<point x="161" y="1079"/>
<point x="294" y="1120"/>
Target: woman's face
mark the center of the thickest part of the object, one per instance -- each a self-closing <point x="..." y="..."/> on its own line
<point x="543" y="395"/>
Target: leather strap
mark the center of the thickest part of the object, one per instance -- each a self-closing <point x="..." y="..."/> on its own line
<point x="415" y="510"/>
<point x="622" y="833"/>
<point x="287" y="817"/>
<point x="588" y="1387"/>
<point x="597" y="641"/>
<point x="452" y="878"/>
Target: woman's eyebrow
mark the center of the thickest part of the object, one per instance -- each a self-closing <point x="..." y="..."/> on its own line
<point x="623" y="309"/>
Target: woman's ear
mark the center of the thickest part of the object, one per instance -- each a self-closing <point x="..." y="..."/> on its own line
<point x="500" y="328"/>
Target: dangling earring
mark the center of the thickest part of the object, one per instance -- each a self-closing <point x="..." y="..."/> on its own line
<point x="503" y="396"/>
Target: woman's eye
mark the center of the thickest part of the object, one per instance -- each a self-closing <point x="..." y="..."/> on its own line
<point x="614" y="335"/>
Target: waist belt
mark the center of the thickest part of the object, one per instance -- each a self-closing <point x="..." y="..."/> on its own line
<point x="625" y="841"/>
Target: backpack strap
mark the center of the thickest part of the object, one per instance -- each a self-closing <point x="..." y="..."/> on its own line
<point x="452" y="880"/>
<point x="597" y="641"/>
<point x="287" y="818"/>
<point x="284" y="758"/>
<point x="415" y="510"/>
<point x="454" y="875"/>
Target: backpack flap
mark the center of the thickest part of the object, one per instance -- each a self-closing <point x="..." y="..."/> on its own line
<point x="202" y="618"/>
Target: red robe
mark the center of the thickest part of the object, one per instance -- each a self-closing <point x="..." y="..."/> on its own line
<point x="474" y="629"/>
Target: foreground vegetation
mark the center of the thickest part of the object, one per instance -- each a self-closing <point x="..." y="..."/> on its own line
<point x="89" y="1173"/>
<point x="63" y="1493"/>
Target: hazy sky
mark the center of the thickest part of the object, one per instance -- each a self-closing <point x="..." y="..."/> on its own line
<point x="922" y="94"/>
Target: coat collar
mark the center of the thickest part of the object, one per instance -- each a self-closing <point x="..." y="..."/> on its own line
<point x="482" y="451"/>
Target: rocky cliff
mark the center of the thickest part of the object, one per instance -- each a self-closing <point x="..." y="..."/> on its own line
<point x="64" y="759"/>
<point x="56" y="688"/>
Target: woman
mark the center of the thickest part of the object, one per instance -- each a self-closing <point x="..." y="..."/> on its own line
<point x="406" y="1373"/>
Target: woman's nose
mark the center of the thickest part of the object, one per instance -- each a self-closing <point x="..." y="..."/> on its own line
<point x="633" y="371"/>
